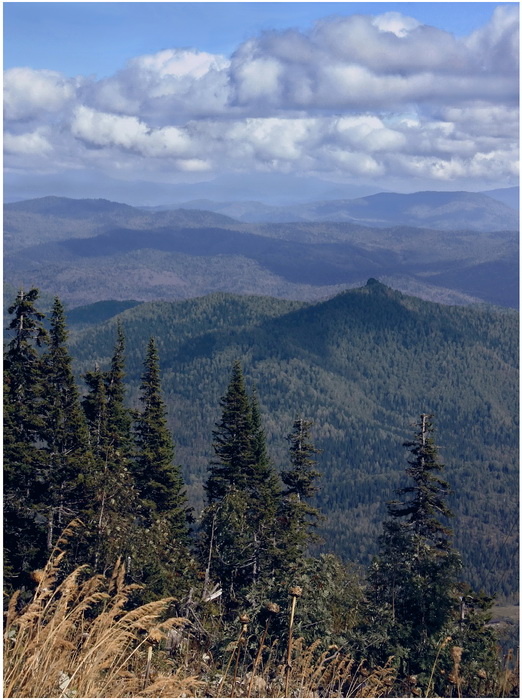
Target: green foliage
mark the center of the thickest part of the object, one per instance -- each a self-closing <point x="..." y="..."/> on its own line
<point x="24" y="404"/>
<point x="243" y="496"/>
<point x="162" y="521"/>
<point x="428" y="502"/>
<point x="297" y="517"/>
<point x="67" y="474"/>
<point x="111" y="527"/>
<point x="412" y="607"/>
<point x="357" y="364"/>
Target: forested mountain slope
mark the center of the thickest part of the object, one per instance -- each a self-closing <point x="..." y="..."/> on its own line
<point x="362" y="365"/>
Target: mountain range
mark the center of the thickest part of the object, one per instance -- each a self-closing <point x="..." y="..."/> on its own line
<point x="362" y="365"/>
<point x="93" y="250"/>
<point x="439" y="210"/>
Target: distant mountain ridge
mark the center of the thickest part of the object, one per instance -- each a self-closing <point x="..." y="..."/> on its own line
<point x="92" y="250"/>
<point x="438" y="210"/>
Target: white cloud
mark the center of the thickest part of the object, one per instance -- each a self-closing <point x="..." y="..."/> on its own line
<point x="33" y="143"/>
<point x="396" y="23"/>
<point x="28" y="92"/>
<point x="359" y="96"/>
<point x="496" y="45"/>
<point x="102" y="129"/>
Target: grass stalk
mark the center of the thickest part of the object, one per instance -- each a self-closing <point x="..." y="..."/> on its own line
<point x="295" y="592"/>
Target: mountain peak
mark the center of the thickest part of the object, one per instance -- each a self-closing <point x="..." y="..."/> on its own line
<point x="372" y="282"/>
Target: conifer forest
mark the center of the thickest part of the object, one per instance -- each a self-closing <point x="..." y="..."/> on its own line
<point x="194" y="505"/>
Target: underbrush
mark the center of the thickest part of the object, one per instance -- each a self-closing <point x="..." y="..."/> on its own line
<point x="80" y="637"/>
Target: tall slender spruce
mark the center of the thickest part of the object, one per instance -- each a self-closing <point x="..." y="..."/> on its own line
<point x="298" y="517"/>
<point x="112" y="523"/>
<point x="24" y="396"/>
<point x="412" y="585"/>
<point x="162" y="502"/>
<point x="69" y="459"/>
<point x="242" y="492"/>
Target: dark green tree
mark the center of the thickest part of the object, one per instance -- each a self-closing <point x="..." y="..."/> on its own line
<point x="119" y="418"/>
<point x="412" y="585"/>
<point x="112" y="524"/>
<point x="68" y="477"/>
<point x="162" y="503"/>
<point x="24" y="396"/>
<point x="298" y="517"/>
<point x="233" y="444"/>
<point x="243" y="496"/>
<point x="265" y="499"/>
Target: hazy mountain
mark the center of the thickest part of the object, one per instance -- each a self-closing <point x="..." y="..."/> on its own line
<point x="92" y="250"/>
<point x="271" y="188"/>
<point x="439" y="210"/>
<point x="363" y="365"/>
<point x="507" y="195"/>
<point x="57" y="218"/>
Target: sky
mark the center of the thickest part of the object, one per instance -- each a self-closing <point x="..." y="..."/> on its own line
<point x="137" y="101"/>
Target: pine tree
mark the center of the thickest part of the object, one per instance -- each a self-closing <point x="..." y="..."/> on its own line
<point x="112" y="523"/>
<point x="24" y="394"/>
<point x="298" y="517"/>
<point x="243" y="495"/>
<point x="69" y="460"/>
<point x="118" y="415"/>
<point x="162" y="503"/>
<point x="411" y="592"/>
<point x="233" y="445"/>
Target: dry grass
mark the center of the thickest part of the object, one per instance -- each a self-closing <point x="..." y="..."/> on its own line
<point x="76" y="639"/>
<point x="331" y="674"/>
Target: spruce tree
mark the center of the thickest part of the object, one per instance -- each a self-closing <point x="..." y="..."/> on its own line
<point x="118" y="415"/>
<point x="112" y="521"/>
<point x="162" y="503"/>
<point x="243" y="497"/>
<point x="412" y="585"/>
<point x="24" y="396"/>
<point x="68" y="457"/>
<point x="233" y="444"/>
<point x="297" y="516"/>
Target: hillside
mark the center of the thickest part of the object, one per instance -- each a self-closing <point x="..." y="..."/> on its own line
<point x="363" y="365"/>
<point x="92" y="250"/>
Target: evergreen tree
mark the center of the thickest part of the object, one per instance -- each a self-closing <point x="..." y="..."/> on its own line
<point x="233" y="444"/>
<point x="427" y="496"/>
<point x="298" y="517"/>
<point x="68" y="457"/>
<point x="118" y="415"/>
<point x="162" y="501"/>
<point x="24" y="394"/>
<point x="112" y="522"/>
<point x="243" y="495"/>
<point x="265" y="502"/>
<point x="412" y="585"/>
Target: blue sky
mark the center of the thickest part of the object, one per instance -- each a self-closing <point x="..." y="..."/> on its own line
<point x="406" y="96"/>
<point x="98" y="37"/>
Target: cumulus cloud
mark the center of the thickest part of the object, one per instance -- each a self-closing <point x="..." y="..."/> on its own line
<point x="28" y="93"/>
<point x="33" y="143"/>
<point x="357" y="96"/>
